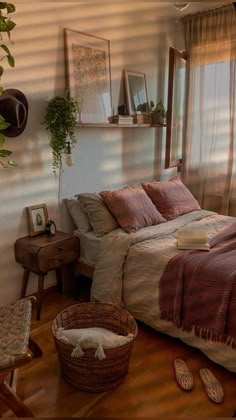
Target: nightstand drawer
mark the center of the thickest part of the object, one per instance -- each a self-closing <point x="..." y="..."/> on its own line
<point x="57" y="254"/>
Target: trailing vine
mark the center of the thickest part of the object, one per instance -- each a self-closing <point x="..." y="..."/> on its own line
<point x="6" y="26"/>
<point x="60" y="119"/>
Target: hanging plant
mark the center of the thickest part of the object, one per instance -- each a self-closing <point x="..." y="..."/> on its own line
<point x="4" y="153"/>
<point x="60" y="119"/>
<point x="6" y="26"/>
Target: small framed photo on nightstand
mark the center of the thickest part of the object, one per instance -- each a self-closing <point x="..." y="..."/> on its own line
<point x="38" y="216"/>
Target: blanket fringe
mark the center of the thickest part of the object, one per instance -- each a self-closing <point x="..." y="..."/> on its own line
<point x="204" y="333"/>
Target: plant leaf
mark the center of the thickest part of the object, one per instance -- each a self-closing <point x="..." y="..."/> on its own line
<point x="12" y="163"/>
<point x="5" y="48"/>
<point x="2" y="140"/>
<point x="10" y="25"/>
<point x="3" y="5"/>
<point x="5" y="152"/>
<point x="11" y="60"/>
<point x="10" y="7"/>
<point x="4" y="124"/>
<point x="3" y="24"/>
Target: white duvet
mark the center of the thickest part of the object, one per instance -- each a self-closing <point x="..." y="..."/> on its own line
<point x="130" y="266"/>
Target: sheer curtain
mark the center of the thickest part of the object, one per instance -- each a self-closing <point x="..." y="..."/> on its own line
<point x="209" y="166"/>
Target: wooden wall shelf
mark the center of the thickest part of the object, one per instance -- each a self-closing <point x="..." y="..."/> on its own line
<point x="108" y="125"/>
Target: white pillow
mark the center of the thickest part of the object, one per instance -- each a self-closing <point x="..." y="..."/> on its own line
<point x="94" y="337"/>
<point x="78" y="215"/>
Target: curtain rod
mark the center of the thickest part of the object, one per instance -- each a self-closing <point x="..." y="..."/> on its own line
<point x="204" y="12"/>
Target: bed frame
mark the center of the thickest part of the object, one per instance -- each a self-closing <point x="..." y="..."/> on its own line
<point x="84" y="270"/>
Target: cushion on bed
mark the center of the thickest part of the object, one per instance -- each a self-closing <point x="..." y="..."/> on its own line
<point x="99" y="215"/>
<point x="172" y="198"/>
<point x="132" y="208"/>
<point x="78" y="215"/>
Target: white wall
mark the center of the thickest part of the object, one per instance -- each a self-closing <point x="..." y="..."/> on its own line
<point x="104" y="158"/>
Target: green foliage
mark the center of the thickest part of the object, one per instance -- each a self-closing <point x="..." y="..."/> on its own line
<point x="142" y="107"/>
<point x="4" y="153"/>
<point x="6" y="26"/>
<point x="159" y="109"/>
<point x="60" y="120"/>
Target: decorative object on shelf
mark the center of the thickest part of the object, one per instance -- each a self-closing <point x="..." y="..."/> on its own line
<point x="14" y="109"/>
<point x="181" y="5"/>
<point x="60" y="121"/>
<point x="6" y="26"/>
<point x="136" y="92"/>
<point x="122" y="110"/>
<point x="89" y="75"/>
<point x="140" y="118"/>
<point x="158" y="112"/>
<point x="121" y="119"/>
<point x="38" y="216"/>
<point x="50" y="228"/>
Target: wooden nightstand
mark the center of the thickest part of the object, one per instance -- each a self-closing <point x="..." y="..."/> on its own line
<point x="40" y="254"/>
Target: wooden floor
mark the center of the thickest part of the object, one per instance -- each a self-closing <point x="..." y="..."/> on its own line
<point x="149" y="390"/>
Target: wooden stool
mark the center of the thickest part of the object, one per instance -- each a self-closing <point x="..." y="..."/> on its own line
<point x="16" y="349"/>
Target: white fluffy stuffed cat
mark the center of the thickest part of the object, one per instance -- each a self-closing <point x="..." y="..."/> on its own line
<point x="94" y="337"/>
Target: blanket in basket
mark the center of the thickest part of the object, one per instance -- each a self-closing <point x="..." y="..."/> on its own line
<point x="198" y="289"/>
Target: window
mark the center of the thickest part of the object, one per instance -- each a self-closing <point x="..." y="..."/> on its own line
<point x="175" y="108"/>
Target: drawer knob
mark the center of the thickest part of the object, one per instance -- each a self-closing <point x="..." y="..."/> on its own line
<point x="60" y="248"/>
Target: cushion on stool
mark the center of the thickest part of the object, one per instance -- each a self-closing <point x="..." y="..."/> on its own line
<point x="15" y="321"/>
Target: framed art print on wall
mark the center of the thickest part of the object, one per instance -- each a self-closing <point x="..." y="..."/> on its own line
<point x="38" y="216"/>
<point x="88" y="75"/>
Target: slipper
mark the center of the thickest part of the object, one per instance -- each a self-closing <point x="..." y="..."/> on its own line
<point x="212" y="386"/>
<point x="183" y="375"/>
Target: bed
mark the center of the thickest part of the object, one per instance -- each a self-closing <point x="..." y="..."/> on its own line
<point x="129" y="265"/>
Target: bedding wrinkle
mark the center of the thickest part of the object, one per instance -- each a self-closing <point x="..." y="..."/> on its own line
<point x="129" y="269"/>
<point x="196" y="289"/>
<point x="108" y="279"/>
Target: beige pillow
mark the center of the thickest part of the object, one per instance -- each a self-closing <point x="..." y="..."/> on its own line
<point x="99" y="216"/>
<point x="78" y="215"/>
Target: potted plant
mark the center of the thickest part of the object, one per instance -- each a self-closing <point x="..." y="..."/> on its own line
<point x="158" y="112"/>
<point x="60" y="119"/>
<point x="6" y="26"/>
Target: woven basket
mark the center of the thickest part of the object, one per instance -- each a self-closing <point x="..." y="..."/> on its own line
<point x="88" y="373"/>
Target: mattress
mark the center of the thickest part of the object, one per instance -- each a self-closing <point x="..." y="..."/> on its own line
<point x="89" y="247"/>
<point x="130" y="267"/>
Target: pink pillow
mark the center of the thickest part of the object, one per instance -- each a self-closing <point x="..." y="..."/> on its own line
<point x="172" y="198"/>
<point x="132" y="208"/>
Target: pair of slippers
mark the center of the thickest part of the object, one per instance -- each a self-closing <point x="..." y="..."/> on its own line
<point x="212" y="386"/>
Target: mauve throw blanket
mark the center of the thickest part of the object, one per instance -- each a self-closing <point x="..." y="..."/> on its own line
<point x="198" y="289"/>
